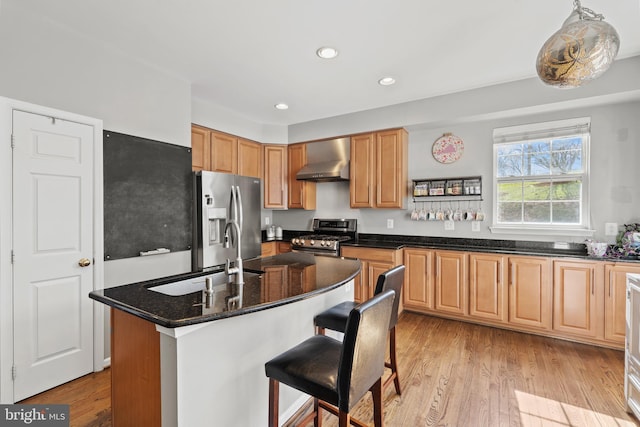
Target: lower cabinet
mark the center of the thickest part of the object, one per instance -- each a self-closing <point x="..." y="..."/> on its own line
<point x="488" y="292"/>
<point x="577" y="295"/>
<point x="374" y="262"/>
<point x="419" y="279"/>
<point x="615" y="288"/>
<point x="451" y="282"/>
<point x="530" y="292"/>
<point x="577" y="299"/>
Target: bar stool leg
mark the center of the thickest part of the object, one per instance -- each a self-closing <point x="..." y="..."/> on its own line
<point x="274" y="402"/>
<point x="317" y="421"/>
<point x="344" y="419"/>
<point x="376" y="391"/>
<point x="394" y="360"/>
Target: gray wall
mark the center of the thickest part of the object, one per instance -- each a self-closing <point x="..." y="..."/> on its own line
<point x="615" y="153"/>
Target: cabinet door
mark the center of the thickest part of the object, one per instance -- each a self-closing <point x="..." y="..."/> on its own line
<point x="375" y="269"/>
<point x="575" y="296"/>
<point x="268" y="249"/>
<point x="302" y="194"/>
<point x="361" y="171"/>
<point x="418" y="285"/>
<point x="451" y="282"/>
<point x="274" y="283"/>
<point x="616" y="300"/>
<point x="530" y="292"/>
<point x="391" y="168"/>
<point x="200" y="148"/>
<point x="275" y="176"/>
<point x="283" y="247"/>
<point x="249" y="158"/>
<point x="488" y="291"/>
<point x="224" y="153"/>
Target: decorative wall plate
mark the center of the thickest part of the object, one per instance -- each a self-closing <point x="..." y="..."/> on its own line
<point x="448" y="148"/>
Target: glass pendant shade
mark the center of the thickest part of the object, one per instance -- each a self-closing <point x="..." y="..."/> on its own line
<point x="580" y="51"/>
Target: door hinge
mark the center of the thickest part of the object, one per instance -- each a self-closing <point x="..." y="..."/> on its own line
<point x="628" y="294"/>
<point x="13" y="141"/>
<point x="14" y="372"/>
<point x="13" y="256"/>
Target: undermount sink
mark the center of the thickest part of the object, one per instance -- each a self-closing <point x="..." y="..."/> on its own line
<point x="189" y="286"/>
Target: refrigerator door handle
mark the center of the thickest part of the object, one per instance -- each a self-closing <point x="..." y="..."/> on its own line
<point x="239" y="207"/>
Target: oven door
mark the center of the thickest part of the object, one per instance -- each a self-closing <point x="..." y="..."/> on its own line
<point x="317" y="251"/>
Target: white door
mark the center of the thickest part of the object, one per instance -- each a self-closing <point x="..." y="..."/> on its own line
<point x="53" y="252"/>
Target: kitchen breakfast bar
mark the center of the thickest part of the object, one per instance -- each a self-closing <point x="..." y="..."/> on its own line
<point x="185" y="352"/>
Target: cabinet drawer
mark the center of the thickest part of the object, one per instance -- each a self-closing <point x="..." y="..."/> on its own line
<point x="371" y="254"/>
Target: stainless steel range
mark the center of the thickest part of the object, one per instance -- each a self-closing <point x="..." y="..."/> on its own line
<point x="327" y="236"/>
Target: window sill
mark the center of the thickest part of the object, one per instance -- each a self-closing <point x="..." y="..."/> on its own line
<point x="502" y="229"/>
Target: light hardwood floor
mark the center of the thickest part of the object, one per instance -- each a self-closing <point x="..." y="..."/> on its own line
<point x="460" y="375"/>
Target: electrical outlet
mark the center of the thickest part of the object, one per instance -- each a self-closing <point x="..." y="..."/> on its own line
<point x="449" y="225"/>
<point x="267" y="220"/>
<point x="475" y="226"/>
<point x="389" y="223"/>
<point x="610" y="229"/>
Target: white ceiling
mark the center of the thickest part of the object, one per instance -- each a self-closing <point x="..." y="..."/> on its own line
<point x="246" y="56"/>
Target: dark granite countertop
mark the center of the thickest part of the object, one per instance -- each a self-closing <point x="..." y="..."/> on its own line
<point x="190" y="305"/>
<point x="515" y="247"/>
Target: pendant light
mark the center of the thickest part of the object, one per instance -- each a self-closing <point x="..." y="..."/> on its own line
<point x="580" y="51"/>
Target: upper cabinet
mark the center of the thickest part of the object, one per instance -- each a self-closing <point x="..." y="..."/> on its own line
<point x="301" y="194"/>
<point x="378" y="169"/>
<point x="200" y="148"/>
<point x="249" y="158"/>
<point x="275" y="176"/>
<point x="221" y="152"/>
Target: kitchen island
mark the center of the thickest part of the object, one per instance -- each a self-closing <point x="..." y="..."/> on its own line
<point x="183" y="357"/>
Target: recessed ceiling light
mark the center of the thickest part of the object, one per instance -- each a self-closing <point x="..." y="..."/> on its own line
<point x="281" y="106"/>
<point x="386" y="81"/>
<point x="327" y="52"/>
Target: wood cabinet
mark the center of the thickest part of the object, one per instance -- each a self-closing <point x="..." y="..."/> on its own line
<point x="301" y="194"/>
<point x="488" y="290"/>
<point x="530" y="299"/>
<point x="224" y="152"/>
<point x="615" y="278"/>
<point x="577" y="291"/>
<point x="268" y="249"/>
<point x="275" y="248"/>
<point x="378" y="169"/>
<point x="200" y="148"/>
<point x="451" y="282"/>
<point x="220" y="152"/>
<point x="275" y="176"/>
<point x="249" y="158"/>
<point x="135" y="371"/>
<point x="274" y="283"/>
<point x="375" y="261"/>
<point x="419" y="289"/>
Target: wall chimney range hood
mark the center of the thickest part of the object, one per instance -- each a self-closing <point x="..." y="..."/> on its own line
<point x="327" y="161"/>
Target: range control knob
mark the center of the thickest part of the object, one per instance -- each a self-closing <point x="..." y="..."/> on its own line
<point x="312" y="242"/>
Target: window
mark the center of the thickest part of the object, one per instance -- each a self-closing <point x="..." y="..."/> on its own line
<point x="541" y="178"/>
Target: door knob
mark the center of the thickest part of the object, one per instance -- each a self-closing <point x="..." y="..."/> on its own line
<point x="84" y="262"/>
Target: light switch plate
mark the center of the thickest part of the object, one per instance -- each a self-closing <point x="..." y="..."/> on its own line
<point x="475" y="226"/>
<point x="389" y="223"/>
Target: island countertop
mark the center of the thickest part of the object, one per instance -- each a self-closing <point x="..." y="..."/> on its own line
<point x="180" y="300"/>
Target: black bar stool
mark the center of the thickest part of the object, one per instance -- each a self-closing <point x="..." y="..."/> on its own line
<point x="335" y="318"/>
<point x="337" y="373"/>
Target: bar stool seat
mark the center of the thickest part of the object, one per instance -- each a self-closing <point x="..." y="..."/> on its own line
<point x="335" y="318"/>
<point x="337" y="373"/>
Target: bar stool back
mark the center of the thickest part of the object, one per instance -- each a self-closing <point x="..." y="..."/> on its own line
<point x="335" y="318"/>
<point x="338" y="373"/>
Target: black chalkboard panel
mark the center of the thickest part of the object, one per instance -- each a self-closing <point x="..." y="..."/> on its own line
<point x="147" y="196"/>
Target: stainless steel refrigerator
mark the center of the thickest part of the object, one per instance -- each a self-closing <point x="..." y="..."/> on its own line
<point x="219" y="198"/>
